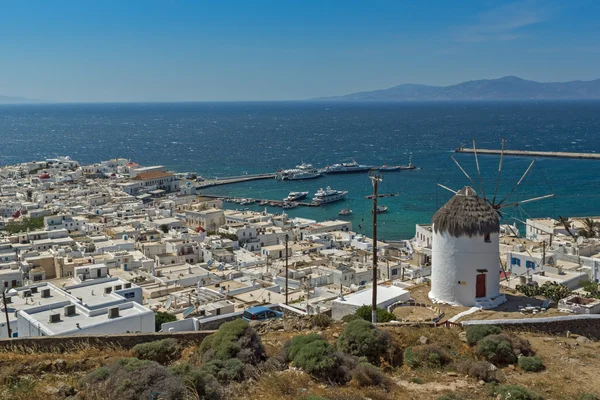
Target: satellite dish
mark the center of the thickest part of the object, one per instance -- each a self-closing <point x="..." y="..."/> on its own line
<point x="580" y="240"/>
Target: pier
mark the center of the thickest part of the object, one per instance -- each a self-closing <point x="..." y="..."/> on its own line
<point x="528" y="153"/>
<point x="233" y="179"/>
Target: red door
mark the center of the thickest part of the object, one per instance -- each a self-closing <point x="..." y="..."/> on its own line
<point x="480" y="286"/>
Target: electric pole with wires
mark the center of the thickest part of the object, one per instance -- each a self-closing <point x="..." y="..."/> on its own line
<point x="375" y="177"/>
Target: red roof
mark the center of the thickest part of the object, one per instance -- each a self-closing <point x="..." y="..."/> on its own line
<point x="146" y="176"/>
<point x="44" y="176"/>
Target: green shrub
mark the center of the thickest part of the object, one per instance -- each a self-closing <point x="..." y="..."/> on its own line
<point x="235" y="339"/>
<point x="429" y="355"/>
<point x="496" y="349"/>
<point x="531" y="364"/>
<point x="162" y="351"/>
<point x="588" y="396"/>
<point x="514" y="392"/>
<point x="201" y="383"/>
<point x="350" y="317"/>
<point x="477" y="332"/>
<point x="480" y="370"/>
<point x="321" y="320"/>
<point x="161" y="317"/>
<point x="362" y="339"/>
<point x="316" y="358"/>
<point x="298" y="342"/>
<point x="368" y="375"/>
<point x="132" y="379"/>
<point x="382" y="315"/>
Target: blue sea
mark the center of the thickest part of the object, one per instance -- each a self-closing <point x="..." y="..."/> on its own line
<point x="225" y="139"/>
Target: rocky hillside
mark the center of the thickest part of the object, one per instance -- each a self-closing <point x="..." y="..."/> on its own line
<point x="314" y="358"/>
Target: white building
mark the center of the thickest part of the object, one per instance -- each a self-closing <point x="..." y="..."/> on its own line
<point x="386" y="296"/>
<point x="465" y="267"/>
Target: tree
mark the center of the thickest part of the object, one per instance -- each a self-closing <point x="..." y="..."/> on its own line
<point x="590" y="228"/>
<point x="164" y="228"/>
<point x="161" y="317"/>
<point x="25" y="224"/>
<point x="567" y="224"/>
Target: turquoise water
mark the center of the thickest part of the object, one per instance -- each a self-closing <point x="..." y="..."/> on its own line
<point x="224" y="139"/>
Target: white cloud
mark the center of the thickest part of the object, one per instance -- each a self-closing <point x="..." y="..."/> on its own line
<point x="504" y="23"/>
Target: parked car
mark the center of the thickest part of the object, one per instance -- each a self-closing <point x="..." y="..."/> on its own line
<point x="260" y="313"/>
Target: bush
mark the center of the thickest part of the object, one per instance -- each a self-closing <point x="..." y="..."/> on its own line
<point x="161" y="317"/>
<point x="362" y="339"/>
<point x="588" y="396"/>
<point x="531" y="364"/>
<point x="480" y="370"/>
<point x="235" y="339"/>
<point x="297" y="343"/>
<point x="429" y="355"/>
<point x="477" y="332"/>
<point x="496" y="349"/>
<point x="514" y="392"/>
<point x="226" y="371"/>
<point x="382" y="315"/>
<point x="350" y="318"/>
<point x="316" y="358"/>
<point x="203" y="384"/>
<point x="132" y="379"/>
<point x="368" y="375"/>
<point x="162" y="351"/>
<point x="321" y="320"/>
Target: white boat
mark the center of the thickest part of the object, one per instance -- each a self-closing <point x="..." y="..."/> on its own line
<point x="295" y="196"/>
<point x="301" y="172"/>
<point x="329" y="195"/>
<point x="345" y="211"/>
<point x="398" y="167"/>
<point x="347" y="168"/>
<point x="289" y="205"/>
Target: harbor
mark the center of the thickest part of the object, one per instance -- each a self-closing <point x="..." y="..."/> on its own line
<point x="530" y="153"/>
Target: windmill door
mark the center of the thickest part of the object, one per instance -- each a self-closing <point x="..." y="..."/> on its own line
<point x="480" y="286"/>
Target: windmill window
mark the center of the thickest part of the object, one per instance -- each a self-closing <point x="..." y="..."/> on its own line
<point x="487" y="239"/>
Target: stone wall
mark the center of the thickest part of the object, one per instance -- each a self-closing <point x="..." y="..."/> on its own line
<point x="586" y="325"/>
<point x="126" y="340"/>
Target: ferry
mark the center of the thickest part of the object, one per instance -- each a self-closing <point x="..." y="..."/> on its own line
<point x="345" y="211"/>
<point x="328" y="195"/>
<point x="295" y="196"/>
<point x="301" y="172"/>
<point x="347" y="168"/>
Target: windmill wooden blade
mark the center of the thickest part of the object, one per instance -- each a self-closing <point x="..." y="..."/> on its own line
<point x="527" y="201"/>
<point x="499" y="173"/>
<point x="447" y="188"/>
<point x="478" y="170"/>
<point x="518" y="183"/>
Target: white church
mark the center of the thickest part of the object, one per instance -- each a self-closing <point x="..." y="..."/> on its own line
<point x="465" y="261"/>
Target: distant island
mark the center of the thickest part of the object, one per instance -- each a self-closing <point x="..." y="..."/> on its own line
<point x="506" y="88"/>
<point x="13" y="99"/>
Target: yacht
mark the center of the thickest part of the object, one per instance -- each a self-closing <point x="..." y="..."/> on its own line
<point x="301" y="172"/>
<point x="295" y="196"/>
<point x="328" y="195"/>
<point x="346" y="168"/>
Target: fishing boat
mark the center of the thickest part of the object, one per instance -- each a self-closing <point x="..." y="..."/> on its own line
<point x="289" y="205"/>
<point x="328" y="195"/>
<point x="263" y="203"/>
<point x="347" y="168"/>
<point x="295" y="196"/>
<point x="381" y="209"/>
<point x="345" y="211"/>
<point x="274" y="204"/>
<point x="388" y="168"/>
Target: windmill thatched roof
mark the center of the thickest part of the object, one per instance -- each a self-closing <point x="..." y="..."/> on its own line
<point x="466" y="214"/>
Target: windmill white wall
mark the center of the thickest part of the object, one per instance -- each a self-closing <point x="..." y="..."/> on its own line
<point x="456" y="262"/>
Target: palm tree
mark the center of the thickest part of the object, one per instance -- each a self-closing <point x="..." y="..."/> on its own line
<point x="566" y="223"/>
<point x="590" y="228"/>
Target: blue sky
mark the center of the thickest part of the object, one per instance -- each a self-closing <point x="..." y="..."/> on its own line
<point x="87" y="51"/>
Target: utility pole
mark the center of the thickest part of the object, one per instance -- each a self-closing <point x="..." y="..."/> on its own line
<point x="6" y="313"/>
<point x="286" y="268"/>
<point x="543" y="253"/>
<point x="375" y="179"/>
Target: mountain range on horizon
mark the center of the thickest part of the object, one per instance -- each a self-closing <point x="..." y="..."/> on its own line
<point x="505" y="88"/>
<point x="15" y="99"/>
